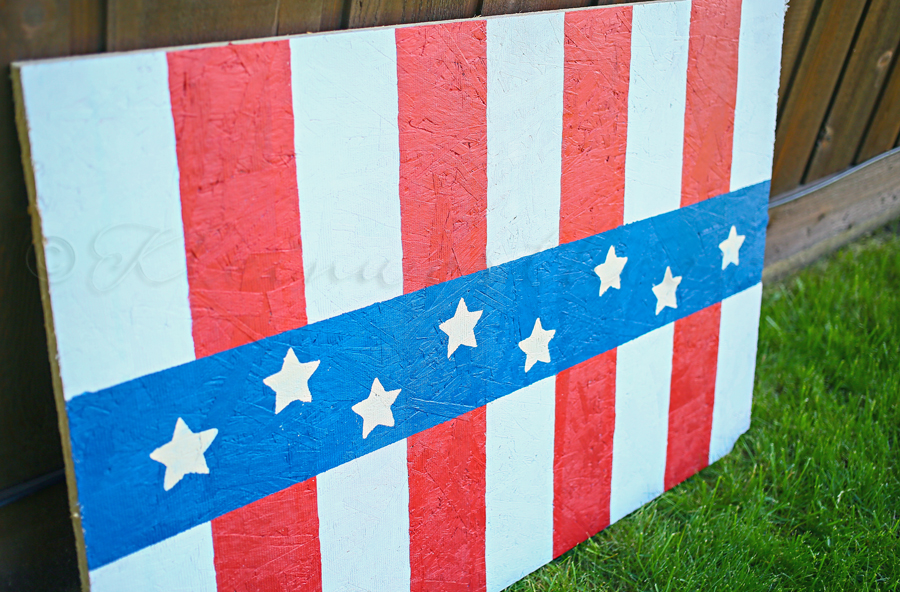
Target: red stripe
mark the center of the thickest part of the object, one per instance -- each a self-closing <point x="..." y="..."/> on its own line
<point x="708" y="138"/>
<point x="583" y="449"/>
<point x="234" y="127"/>
<point x="446" y="501"/>
<point x="271" y="544"/>
<point x="595" y="121"/>
<point x="442" y="88"/>
<point x="711" y="94"/>
<point x="693" y="393"/>
<point x="595" y="113"/>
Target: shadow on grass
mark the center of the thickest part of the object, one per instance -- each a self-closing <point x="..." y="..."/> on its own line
<point x="810" y="496"/>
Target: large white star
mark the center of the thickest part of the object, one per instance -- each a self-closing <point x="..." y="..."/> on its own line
<point x="610" y="271"/>
<point x="461" y="328"/>
<point x="730" y="247"/>
<point x="665" y="291"/>
<point x="376" y="409"/>
<point x="184" y="453"/>
<point x="291" y="383"/>
<point x="537" y="346"/>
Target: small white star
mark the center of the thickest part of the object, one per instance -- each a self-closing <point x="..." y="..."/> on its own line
<point x="610" y="271"/>
<point x="376" y="409"/>
<point x="291" y="383"/>
<point x="665" y="291"/>
<point x="461" y="328"/>
<point x="537" y="347"/>
<point x="184" y="453"/>
<point x="730" y="247"/>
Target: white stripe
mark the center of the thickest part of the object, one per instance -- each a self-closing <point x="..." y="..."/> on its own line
<point x="643" y="379"/>
<point x="656" y="103"/>
<point x="348" y="169"/>
<point x="103" y="151"/>
<point x="524" y="113"/>
<point x="364" y="522"/>
<point x="519" y="483"/>
<point x="759" y="66"/>
<point x="183" y="563"/>
<point x="738" y="331"/>
<point x="348" y="166"/>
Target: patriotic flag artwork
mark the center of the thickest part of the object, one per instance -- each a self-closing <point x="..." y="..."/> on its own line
<point x="407" y="308"/>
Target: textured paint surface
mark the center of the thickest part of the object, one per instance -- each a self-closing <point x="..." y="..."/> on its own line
<point x="583" y="450"/>
<point x="271" y="544"/>
<point x="643" y="375"/>
<point x="694" y="356"/>
<point x="708" y="139"/>
<point x="447" y="505"/>
<point x="519" y="496"/>
<point x="442" y="87"/>
<point x="245" y="267"/>
<point x="364" y="522"/>
<point x="257" y="453"/>
<point x="656" y="100"/>
<point x="524" y="113"/>
<point x="595" y="117"/>
<point x="183" y="563"/>
<point x="738" y="332"/>
<point x="756" y="104"/>
<point x="234" y="128"/>
<point x="345" y="111"/>
<point x="712" y="73"/>
<point x="116" y="270"/>
<point x="595" y="121"/>
<point x="431" y="271"/>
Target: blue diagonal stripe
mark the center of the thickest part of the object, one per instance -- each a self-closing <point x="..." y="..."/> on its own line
<point x="256" y="452"/>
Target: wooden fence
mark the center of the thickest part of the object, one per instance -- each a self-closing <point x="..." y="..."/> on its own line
<point x="839" y="108"/>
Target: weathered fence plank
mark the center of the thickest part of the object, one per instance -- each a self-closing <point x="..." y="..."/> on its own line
<point x="796" y="23"/>
<point x="374" y="13"/>
<point x="884" y="130"/>
<point x="861" y="85"/>
<point x="136" y="24"/>
<point x="813" y="86"/>
<point x="819" y="219"/>
<point x="510" y="6"/>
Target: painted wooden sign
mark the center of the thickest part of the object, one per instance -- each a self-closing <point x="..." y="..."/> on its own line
<point x="412" y="308"/>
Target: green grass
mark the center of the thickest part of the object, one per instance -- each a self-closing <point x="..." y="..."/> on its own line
<point x="810" y="497"/>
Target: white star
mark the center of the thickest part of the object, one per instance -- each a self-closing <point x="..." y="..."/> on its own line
<point x="610" y="271"/>
<point x="665" y="291"/>
<point x="376" y="409"/>
<point x="537" y="347"/>
<point x="461" y="328"/>
<point x="291" y="383"/>
<point x="730" y="247"/>
<point x="184" y="453"/>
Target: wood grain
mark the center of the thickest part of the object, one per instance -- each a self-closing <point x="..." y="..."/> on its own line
<point x="491" y="7"/>
<point x="885" y="126"/>
<point x="859" y="90"/>
<point x="796" y="24"/>
<point x="375" y="13"/>
<point x="137" y="24"/>
<point x="832" y="214"/>
<point x="814" y="84"/>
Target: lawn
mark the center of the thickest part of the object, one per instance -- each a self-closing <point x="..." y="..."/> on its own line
<point x="810" y="497"/>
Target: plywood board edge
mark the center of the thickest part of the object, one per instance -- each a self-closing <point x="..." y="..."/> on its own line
<point x="37" y="236"/>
